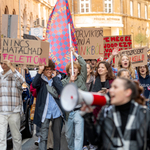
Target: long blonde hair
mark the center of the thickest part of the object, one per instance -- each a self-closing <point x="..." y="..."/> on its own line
<point x="130" y="68"/>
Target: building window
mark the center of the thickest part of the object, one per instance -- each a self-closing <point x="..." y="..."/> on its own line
<point x="84" y="6"/>
<point x="145" y="11"/>
<point x="139" y="10"/>
<point x="131" y="8"/>
<point x="108" y="6"/>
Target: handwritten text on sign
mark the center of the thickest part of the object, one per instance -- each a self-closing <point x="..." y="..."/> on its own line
<point x="138" y="56"/>
<point x="123" y="41"/>
<point x="30" y="52"/>
<point x="90" y="42"/>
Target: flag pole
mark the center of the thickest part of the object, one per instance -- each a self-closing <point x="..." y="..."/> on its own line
<point x="70" y="39"/>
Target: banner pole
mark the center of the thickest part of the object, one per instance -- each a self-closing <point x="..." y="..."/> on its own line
<point x="70" y="39"/>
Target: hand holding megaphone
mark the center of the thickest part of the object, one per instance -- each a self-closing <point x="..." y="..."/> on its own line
<point x="71" y="96"/>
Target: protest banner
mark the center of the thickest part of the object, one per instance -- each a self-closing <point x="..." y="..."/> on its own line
<point x="138" y="56"/>
<point x="123" y="41"/>
<point x="24" y="51"/>
<point x="90" y="42"/>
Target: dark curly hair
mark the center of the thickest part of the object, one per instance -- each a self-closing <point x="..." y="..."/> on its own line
<point x="51" y="65"/>
<point x="110" y="74"/>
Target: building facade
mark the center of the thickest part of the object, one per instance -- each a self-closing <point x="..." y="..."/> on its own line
<point x="34" y="13"/>
<point x="116" y="17"/>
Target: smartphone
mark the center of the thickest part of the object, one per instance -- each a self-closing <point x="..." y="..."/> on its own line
<point x="104" y="89"/>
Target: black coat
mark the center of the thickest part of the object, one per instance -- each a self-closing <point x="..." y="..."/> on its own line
<point x="40" y="85"/>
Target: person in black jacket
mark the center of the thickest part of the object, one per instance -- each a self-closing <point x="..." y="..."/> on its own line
<point x="125" y="124"/>
<point x="144" y="79"/>
<point x="47" y="105"/>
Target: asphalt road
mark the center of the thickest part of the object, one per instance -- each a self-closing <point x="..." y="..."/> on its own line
<point x="28" y="144"/>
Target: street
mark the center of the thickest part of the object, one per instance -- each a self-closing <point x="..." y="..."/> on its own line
<point x="28" y="144"/>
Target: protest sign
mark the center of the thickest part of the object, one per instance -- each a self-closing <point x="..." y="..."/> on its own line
<point x="24" y="51"/>
<point x="123" y="41"/>
<point x="90" y="42"/>
<point x="138" y="56"/>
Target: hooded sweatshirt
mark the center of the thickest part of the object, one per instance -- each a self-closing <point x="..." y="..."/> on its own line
<point x="145" y="83"/>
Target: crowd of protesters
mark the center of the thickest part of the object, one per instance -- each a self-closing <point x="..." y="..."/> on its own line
<point x="124" y="124"/>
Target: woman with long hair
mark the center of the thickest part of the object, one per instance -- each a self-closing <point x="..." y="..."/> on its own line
<point x="125" y="124"/>
<point x="124" y="62"/>
<point x="90" y="77"/>
<point x="103" y="79"/>
<point x="144" y="79"/>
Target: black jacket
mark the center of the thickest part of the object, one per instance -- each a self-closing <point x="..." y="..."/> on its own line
<point x="40" y="85"/>
<point x="105" y="133"/>
<point x="145" y="82"/>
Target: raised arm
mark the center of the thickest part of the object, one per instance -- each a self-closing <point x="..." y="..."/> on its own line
<point x="114" y="53"/>
<point x="82" y="64"/>
<point x="37" y="80"/>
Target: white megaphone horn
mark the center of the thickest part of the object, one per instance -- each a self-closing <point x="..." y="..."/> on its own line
<point x="71" y="96"/>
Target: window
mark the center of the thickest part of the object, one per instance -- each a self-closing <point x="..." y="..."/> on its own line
<point x="84" y="6"/>
<point x="108" y="6"/>
<point x="131" y="8"/>
<point x="145" y="11"/>
<point x="139" y="10"/>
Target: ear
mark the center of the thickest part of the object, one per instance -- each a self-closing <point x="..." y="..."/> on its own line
<point x="128" y="92"/>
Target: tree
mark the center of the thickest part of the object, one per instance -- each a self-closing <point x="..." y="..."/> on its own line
<point x="141" y="39"/>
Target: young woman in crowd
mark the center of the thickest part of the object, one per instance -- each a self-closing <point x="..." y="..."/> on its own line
<point x="89" y="83"/>
<point x="103" y="79"/>
<point x="144" y="80"/>
<point x="75" y="123"/>
<point x="125" y="124"/>
<point x="124" y="62"/>
<point x="90" y="77"/>
<point x="124" y="73"/>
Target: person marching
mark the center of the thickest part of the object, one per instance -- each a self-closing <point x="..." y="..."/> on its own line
<point x="125" y="124"/>
<point x="75" y="123"/>
<point x="47" y="105"/>
<point x="10" y="104"/>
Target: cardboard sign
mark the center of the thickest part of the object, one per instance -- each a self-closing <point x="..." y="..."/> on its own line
<point x="138" y="56"/>
<point x="24" y="51"/>
<point x="123" y="41"/>
<point x="90" y="42"/>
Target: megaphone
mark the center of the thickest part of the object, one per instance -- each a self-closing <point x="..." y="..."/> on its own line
<point x="71" y="96"/>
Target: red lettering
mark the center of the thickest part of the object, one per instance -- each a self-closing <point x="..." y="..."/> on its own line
<point x="29" y="59"/>
<point x="113" y="39"/>
<point x="112" y="45"/>
<point x="105" y="46"/>
<point x="37" y="60"/>
<point x="108" y="45"/>
<point x="10" y="57"/>
<point x="117" y="38"/>
<point x="125" y="45"/>
<point x="106" y="39"/>
<point x="83" y="51"/>
<point x="20" y="59"/>
<point x="44" y="60"/>
<point x="121" y="38"/>
<point x="129" y="43"/>
<point x="120" y="45"/>
<point x="115" y="44"/>
<point x="106" y="50"/>
<point x="4" y="56"/>
<point x="15" y="60"/>
<point x="126" y="38"/>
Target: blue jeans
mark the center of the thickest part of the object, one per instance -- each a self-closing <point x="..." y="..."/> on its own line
<point x="75" y="131"/>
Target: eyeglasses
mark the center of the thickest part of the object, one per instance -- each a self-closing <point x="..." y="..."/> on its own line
<point x="48" y="69"/>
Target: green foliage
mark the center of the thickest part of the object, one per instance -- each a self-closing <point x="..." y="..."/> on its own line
<point x="141" y="39"/>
